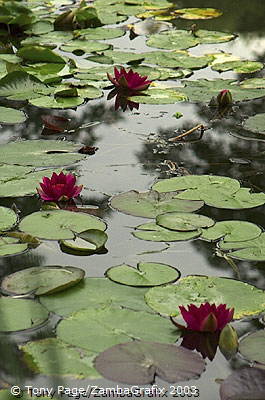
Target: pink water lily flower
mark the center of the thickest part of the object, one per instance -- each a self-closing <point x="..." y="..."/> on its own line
<point x="129" y="80"/>
<point x="59" y="187"/>
<point x="207" y="317"/>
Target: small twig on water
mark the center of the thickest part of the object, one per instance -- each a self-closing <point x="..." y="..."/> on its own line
<point x="176" y="138"/>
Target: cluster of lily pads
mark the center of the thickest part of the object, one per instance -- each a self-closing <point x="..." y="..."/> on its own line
<point x="172" y="203"/>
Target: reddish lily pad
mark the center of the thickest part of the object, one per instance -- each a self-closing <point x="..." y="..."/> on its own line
<point x="146" y="360"/>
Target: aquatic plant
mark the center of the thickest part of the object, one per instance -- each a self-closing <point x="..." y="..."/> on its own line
<point x="59" y="187"/>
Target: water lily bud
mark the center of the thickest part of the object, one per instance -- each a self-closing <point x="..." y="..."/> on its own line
<point x="224" y="98"/>
<point x="228" y="342"/>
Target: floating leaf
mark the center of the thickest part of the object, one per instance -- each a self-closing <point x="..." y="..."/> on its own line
<point x="41" y="153"/>
<point x="146" y="360"/>
<point x="11" y="116"/>
<point x="85" y="243"/>
<point x="180" y="221"/>
<point x="40" y="27"/>
<point x="100" y="33"/>
<point x="19" y="314"/>
<point x="238" y="200"/>
<point x="253" y="250"/>
<point x="10" y="246"/>
<point x="42" y="280"/>
<point x="39" y="54"/>
<point x="252" y="347"/>
<point x="58" y="102"/>
<point x="176" y="59"/>
<point x="50" y="39"/>
<point x="84" y="46"/>
<point x="253" y="83"/>
<point x="95" y="292"/>
<point x="96" y="329"/>
<point x="159" y="96"/>
<point x="156" y="233"/>
<point x="55" y="122"/>
<point x="52" y="357"/>
<point x="146" y="274"/>
<point x="198" y="13"/>
<point x="245" y="383"/>
<point x="18" y="85"/>
<point x="233" y="231"/>
<point x="240" y="67"/>
<point x="8" y="218"/>
<point x="256" y="123"/>
<point x="59" y="224"/>
<point x="150" y="204"/>
<point x="246" y="299"/>
<point x="117" y="57"/>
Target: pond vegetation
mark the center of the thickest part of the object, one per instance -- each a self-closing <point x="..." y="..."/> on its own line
<point x="132" y="195"/>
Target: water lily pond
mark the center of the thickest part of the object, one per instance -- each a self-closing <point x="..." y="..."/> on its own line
<point x="132" y="243"/>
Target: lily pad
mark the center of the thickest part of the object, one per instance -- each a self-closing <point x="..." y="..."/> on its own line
<point x="84" y="46"/>
<point x="252" y="347"/>
<point x="146" y="274"/>
<point x="256" y="123"/>
<point x="85" y="243"/>
<point x="18" y="85"/>
<point x="117" y="57"/>
<point x="59" y="224"/>
<point x="233" y="231"/>
<point x="146" y="360"/>
<point x="100" y="33"/>
<point x="176" y="59"/>
<point x="156" y="233"/>
<point x="180" y="221"/>
<point x="253" y="83"/>
<point x="95" y="292"/>
<point x="150" y="204"/>
<point x="240" y="67"/>
<point x="41" y="153"/>
<point x="159" y="96"/>
<point x="57" y="102"/>
<point x="8" y="218"/>
<point x="39" y="54"/>
<point x="52" y="357"/>
<point x="42" y="280"/>
<point x="96" y="329"/>
<point x="253" y="250"/>
<point x="10" y="246"/>
<point x="11" y="116"/>
<point x="198" y="13"/>
<point x="245" y="383"/>
<point x="238" y="200"/>
<point x="246" y="299"/>
<point x="20" y="314"/>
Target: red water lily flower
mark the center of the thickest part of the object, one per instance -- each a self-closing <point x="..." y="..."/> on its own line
<point x="59" y="187"/>
<point x="207" y="317"/>
<point x="129" y="80"/>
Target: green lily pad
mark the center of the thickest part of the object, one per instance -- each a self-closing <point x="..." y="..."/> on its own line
<point x="41" y="153"/>
<point x="100" y="33"/>
<point x="233" y="231"/>
<point x="48" y="72"/>
<point x="39" y="54"/>
<point x="22" y="185"/>
<point x="256" y="123"/>
<point x="202" y="90"/>
<point x="146" y="274"/>
<point x="59" y="224"/>
<point x="50" y="39"/>
<point x="146" y="360"/>
<point x="159" y="96"/>
<point x="156" y="233"/>
<point x="252" y="347"/>
<point x="85" y="243"/>
<point x="198" y="13"/>
<point x="176" y="59"/>
<point x="253" y="83"/>
<point x="96" y="329"/>
<point x="40" y="27"/>
<point x="246" y="299"/>
<point x="117" y="57"/>
<point x="238" y="200"/>
<point x="95" y="292"/>
<point x="10" y="246"/>
<point x="240" y="67"/>
<point x="253" y="250"/>
<point x="182" y="39"/>
<point x="84" y="46"/>
<point x="18" y="85"/>
<point x="180" y="221"/>
<point x="57" y="102"/>
<point x="11" y="116"/>
<point x="89" y="92"/>
<point x="42" y="280"/>
<point x="20" y="314"/>
<point x="53" y="357"/>
<point x="150" y="204"/>
<point x="8" y="218"/>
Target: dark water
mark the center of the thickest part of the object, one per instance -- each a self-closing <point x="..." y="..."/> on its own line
<point x="132" y="155"/>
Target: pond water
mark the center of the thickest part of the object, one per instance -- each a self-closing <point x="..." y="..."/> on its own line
<point x="134" y="152"/>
